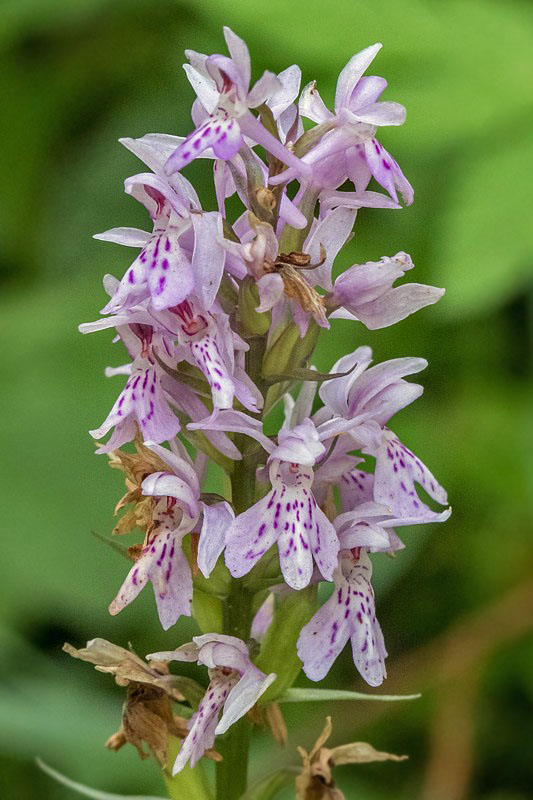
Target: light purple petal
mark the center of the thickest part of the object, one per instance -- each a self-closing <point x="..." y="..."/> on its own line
<point x="163" y="563"/>
<point x="163" y="484"/>
<point x="352" y="73"/>
<point x="217" y="519"/>
<point x="299" y="445"/>
<point x="397" y="304"/>
<point x="204" y="86"/>
<point x="349" y="613"/>
<point x="368" y="90"/>
<point x="381" y="114"/>
<point x="397" y="470"/>
<point x="244" y="696"/>
<point x="332" y="199"/>
<point x="130" y="237"/>
<point x="387" y="172"/>
<point x="287" y="93"/>
<point x="267" y="85"/>
<point x="237" y="422"/>
<point x="251" y="127"/>
<point x="204" y="721"/>
<point x="250" y="536"/>
<point x="356" y="486"/>
<point x="331" y="232"/>
<point x="271" y="290"/>
<point x="290" y="213"/>
<point x="143" y="399"/>
<point x="312" y="106"/>
<point x="263" y="618"/>
<point x="324" y="543"/>
<point x="208" y="257"/>
<point x="223" y="135"/>
<point x="325" y="636"/>
<point x="239" y="53"/>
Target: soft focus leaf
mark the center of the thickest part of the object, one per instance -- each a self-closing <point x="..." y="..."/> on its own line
<point x="87" y="791"/>
<point x="297" y="695"/>
<point x="483" y="264"/>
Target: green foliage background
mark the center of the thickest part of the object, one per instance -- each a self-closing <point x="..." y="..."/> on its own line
<point x="76" y="75"/>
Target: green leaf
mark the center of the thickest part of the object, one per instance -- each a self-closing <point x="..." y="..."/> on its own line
<point x="313" y="695"/>
<point x="268" y="121"/>
<point x="87" y="791"/>
<point x="189" y="688"/>
<point x="194" y="381"/>
<point x="189" y="783"/>
<point x="268" y="788"/>
<point x="207" y="611"/>
<point x="278" y="648"/>
<point x="303" y="374"/>
<point x="122" y="549"/>
<point x="486" y="241"/>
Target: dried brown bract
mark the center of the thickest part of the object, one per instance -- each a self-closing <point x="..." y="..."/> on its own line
<point x="315" y="782"/>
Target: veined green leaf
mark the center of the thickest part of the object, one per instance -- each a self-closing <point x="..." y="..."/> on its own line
<point x="297" y="695"/>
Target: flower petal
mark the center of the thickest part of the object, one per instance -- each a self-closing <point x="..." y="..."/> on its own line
<point x="217" y="519"/>
<point x="352" y="73"/>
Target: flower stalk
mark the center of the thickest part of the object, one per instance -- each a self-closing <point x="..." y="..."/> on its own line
<point x="220" y="318"/>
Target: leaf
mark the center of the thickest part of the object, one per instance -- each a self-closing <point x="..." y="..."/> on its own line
<point x="122" y="549"/>
<point x="297" y="695"/>
<point x="278" y="648"/>
<point x="482" y="264"/>
<point x="229" y="233"/>
<point x="268" y="121"/>
<point x="269" y="787"/>
<point x="189" y="688"/>
<point x="189" y="783"/>
<point x="87" y="791"/>
<point x="196" y="383"/>
<point x="207" y="611"/>
<point x="303" y="374"/>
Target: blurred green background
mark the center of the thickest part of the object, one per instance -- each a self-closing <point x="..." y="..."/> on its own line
<point x="455" y="606"/>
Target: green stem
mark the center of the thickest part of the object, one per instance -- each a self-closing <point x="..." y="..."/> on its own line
<point x="232" y="771"/>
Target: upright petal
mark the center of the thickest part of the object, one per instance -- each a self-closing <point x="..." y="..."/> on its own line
<point x="352" y="73"/>
<point x="208" y="257"/>
<point x="239" y="53"/>
<point x="217" y="519"/>
<point x="331" y="234"/>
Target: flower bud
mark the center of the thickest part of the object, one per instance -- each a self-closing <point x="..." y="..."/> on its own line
<point x="265" y="198"/>
<point x="254" y="322"/>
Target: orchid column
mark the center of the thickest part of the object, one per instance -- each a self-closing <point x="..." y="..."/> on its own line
<point x="220" y="317"/>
